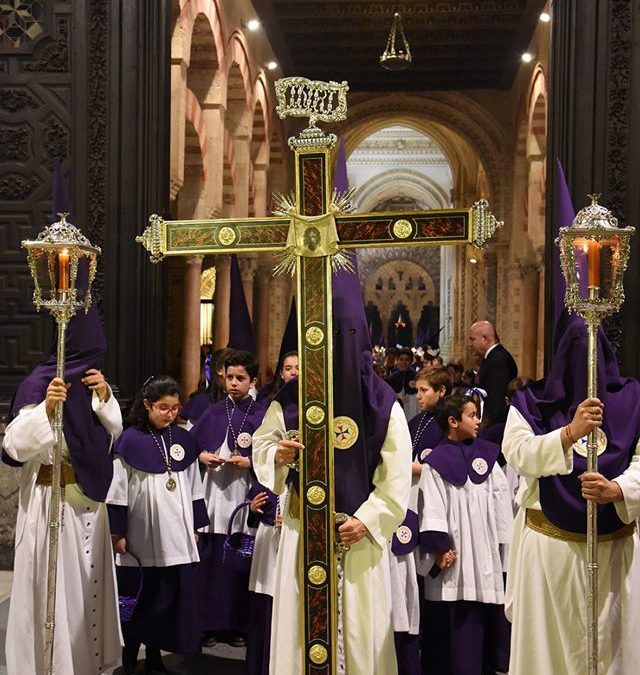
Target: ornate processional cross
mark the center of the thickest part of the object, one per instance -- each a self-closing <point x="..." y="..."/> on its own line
<point x="306" y="235"/>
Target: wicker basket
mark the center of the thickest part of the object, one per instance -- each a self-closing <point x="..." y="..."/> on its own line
<point x="238" y="547"/>
<point x="128" y="603"/>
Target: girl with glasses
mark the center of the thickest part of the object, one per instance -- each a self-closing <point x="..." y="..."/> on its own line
<point x="156" y="504"/>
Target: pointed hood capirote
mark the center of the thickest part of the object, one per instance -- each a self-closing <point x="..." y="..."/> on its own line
<point x="86" y="438"/>
<point x="358" y="394"/>
<point x="551" y="404"/>
<point x="240" y="326"/>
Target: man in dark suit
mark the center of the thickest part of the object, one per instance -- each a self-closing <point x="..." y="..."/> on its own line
<point x="497" y="369"/>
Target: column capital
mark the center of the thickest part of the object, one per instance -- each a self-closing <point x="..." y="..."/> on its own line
<point x="195" y="260"/>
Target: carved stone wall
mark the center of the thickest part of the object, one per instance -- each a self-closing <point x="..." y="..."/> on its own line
<point x="35" y="127"/>
<point x="84" y="82"/>
<point x="595" y="95"/>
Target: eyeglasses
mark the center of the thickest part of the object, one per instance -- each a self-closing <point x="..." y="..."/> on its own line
<point x="164" y="408"/>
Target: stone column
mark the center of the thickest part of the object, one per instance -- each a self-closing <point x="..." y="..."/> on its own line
<point x="178" y="104"/>
<point x="261" y="320"/>
<point x="279" y="297"/>
<point x="529" y="321"/>
<point x="221" y="302"/>
<point x="242" y="148"/>
<point x="513" y="340"/>
<point x="260" y="196"/>
<point x="190" y="371"/>
<point x="213" y="115"/>
<point x="248" y="264"/>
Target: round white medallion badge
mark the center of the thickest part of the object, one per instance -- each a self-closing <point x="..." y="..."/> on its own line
<point x="581" y="445"/>
<point x="177" y="452"/>
<point x="244" y="440"/>
<point x="480" y="466"/>
<point x="425" y="453"/>
<point x="345" y="432"/>
<point x="404" y="534"/>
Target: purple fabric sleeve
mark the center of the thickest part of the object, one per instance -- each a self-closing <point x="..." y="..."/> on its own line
<point x="200" y="515"/>
<point x="117" y="519"/>
<point x="432" y="541"/>
<point x="7" y="459"/>
<point x="434" y="571"/>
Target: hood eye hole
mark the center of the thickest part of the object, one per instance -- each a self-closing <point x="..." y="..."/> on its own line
<point x="336" y="331"/>
<point x="352" y="331"/>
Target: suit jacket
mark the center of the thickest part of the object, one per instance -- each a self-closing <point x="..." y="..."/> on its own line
<point x="496" y="371"/>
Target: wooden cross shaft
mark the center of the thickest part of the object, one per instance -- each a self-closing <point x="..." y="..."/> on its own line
<point x="317" y="561"/>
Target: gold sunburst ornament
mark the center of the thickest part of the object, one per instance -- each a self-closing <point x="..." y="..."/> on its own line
<point x="312" y="236"/>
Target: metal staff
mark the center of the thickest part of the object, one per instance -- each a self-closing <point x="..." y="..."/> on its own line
<point x="62" y="316"/>
<point x="55" y="257"/>
<point x="594" y="253"/>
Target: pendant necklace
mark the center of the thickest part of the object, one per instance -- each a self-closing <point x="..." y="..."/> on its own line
<point x="171" y="483"/>
<point x="241" y="440"/>
<point x="423" y="425"/>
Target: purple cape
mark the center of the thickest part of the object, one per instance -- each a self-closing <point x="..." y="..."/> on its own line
<point x="551" y="404"/>
<point x="269" y="508"/>
<point x="139" y="450"/>
<point x="401" y="381"/>
<point x="430" y="434"/>
<point x="212" y="427"/>
<point x="195" y="406"/>
<point x="454" y="460"/>
<point x="358" y="393"/>
<point x="86" y="438"/>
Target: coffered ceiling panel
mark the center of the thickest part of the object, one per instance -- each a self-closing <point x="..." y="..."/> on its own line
<point x="475" y="44"/>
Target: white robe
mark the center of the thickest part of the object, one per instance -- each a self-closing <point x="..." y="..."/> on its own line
<point x="160" y="528"/>
<point x="225" y="488"/>
<point x="262" y="578"/>
<point x="87" y="632"/>
<point x="405" y="595"/>
<point x="546" y="583"/>
<point x="478" y="518"/>
<point x="368" y="633"/>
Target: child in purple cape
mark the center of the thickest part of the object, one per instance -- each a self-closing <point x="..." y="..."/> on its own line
<point x="155" y="507"/>
<point x="432" y="385"/>
<point x="465" y="516"/>
<point x="224" y="434"/>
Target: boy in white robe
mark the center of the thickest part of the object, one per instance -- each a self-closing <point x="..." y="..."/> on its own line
<point x="224" y="432"/>
<point x="465" y="517"/>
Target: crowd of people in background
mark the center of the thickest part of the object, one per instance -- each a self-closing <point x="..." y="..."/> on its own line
<point x="454" y="477"/>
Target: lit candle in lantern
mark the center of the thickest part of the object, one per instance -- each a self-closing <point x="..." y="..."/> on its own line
<point x="593" y="257"/>
<point x="63" y="270"/>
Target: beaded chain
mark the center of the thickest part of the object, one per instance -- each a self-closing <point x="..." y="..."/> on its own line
<point x="171" y="483"/>
<point x="422" y="427"/>
<point x="235" y="450"/>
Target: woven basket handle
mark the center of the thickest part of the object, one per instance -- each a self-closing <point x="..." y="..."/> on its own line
<point x="135" y="557"/>
<point x="233" y="515"/>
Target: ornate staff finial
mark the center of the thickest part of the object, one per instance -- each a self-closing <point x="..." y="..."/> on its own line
<point x="324" y="101"/>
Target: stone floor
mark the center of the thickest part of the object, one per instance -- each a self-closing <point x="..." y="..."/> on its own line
<point x="221" y="659"/>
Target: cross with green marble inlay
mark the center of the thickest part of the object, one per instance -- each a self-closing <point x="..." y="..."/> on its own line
<point x="327" y="102"/>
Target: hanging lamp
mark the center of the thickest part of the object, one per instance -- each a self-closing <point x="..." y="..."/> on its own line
<point x="397" y="53"/>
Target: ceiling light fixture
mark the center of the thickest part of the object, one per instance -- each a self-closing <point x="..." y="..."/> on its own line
<point x="272" y="65"/>
<point x="397" y="54"/>
<point x="253" y="24"/>
<point x="527" y="57"/>
<point x="545" y="17"/>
